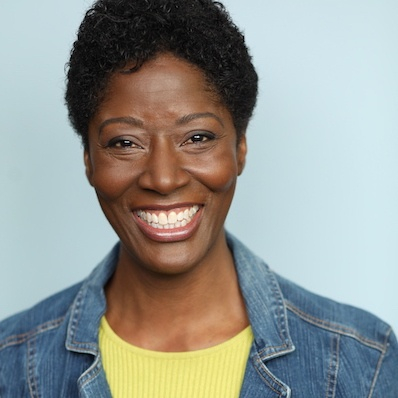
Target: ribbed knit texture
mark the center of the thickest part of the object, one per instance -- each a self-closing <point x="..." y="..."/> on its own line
<point x="135" y="372"/>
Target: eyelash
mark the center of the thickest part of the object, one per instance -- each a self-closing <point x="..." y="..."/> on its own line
<point x="195" y="139"/>
<point x="122" y="143"/>
<point x="198" y="138"/>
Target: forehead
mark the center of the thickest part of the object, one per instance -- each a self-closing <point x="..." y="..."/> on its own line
<point x="163" y="84"/>
<point x="166" y="72"/>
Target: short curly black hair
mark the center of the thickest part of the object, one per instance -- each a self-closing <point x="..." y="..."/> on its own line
<point x="117" y="32"/>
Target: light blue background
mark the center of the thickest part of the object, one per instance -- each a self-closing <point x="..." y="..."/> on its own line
<point x="318" y="199"/>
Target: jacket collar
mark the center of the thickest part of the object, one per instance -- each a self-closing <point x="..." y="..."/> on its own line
<point x="264" y="302"/>
<point x="89" y="306"/>
<point x="268" y="319"/>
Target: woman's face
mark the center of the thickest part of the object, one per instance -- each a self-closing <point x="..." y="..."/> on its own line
<point x="163" y="158"/>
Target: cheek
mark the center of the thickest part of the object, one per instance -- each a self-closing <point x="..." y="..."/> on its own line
<point x="111" y="182"/>
<point x="218" y="173"/>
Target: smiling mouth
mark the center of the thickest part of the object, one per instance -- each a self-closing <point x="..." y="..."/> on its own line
<point x="171" y="219"/>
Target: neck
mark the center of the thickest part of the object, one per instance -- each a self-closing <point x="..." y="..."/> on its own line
<point x="183" y="312"/>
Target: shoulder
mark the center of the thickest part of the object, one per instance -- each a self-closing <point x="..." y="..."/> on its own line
<point x="332" y="316"/>
<point x="359" y="345"/>
<point x="326" y="340"/>
<point x="49" y="313"/>
<point x="27" y="337"/>
<point x="44" y="316"/>
<point x="258" y="281"/>
<point x="33" y="347"/>
<point x="306" y="309"/>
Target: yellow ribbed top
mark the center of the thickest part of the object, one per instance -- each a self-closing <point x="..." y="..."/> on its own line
<point x="212" y="372"/>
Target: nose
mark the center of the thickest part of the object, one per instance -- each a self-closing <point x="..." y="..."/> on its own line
<point x="163" y="171"/>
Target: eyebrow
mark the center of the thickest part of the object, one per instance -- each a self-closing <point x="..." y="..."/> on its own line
<point x="132" y="121"/>
<point x="193" y="116"/>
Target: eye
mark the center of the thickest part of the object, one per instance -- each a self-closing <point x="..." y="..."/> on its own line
<point x="122" y="143"/>
<point x="199" y="137"/>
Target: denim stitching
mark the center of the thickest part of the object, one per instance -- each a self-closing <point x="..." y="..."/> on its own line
<point x="336" y="328"/>
<point x="32" y="382"/>
<point x="89" y="348"/>
<point x="333" y="367"/>
<point x="282" y="316"/>
<point x="22" y="338"/>
<point x="75" y="316"/>
<point x="379" y="363"/>
<point x="90" y="374"/>
<point x="268" y="353"/>
<point x="271" y="376"/>
<point x="282" y="324"/>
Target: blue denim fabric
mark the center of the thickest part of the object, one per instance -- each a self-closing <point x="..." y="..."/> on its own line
<point x="305" y="345"/>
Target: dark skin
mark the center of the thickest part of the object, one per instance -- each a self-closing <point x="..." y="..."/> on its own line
<point x="160" y="146"/>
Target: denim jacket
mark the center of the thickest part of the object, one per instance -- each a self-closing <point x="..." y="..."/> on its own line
<point x="304" y="345"/>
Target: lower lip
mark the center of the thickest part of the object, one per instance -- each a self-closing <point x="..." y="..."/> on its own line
<point x="170" y="235"/>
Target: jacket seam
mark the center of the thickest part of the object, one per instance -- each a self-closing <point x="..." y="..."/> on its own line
<point x="335" y="328"/>
<point x="379" y="363"/>
<point x="271" y="352"/>
<point x="281" y="319"/>
<point x="71" y="343"/>
<point x="271" y="376"/>
<point x="282" y="315"/>
<point x="333" y="367"/>
<point x="90" y="374"/>
<point x="23" y="337"/>
<point x="32" y="381"/>
<point x="75" y="316"/>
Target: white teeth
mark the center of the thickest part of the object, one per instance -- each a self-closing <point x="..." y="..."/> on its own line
<point x="172" y="218"/>
<point x="186" y="214"/>
<point x="162" y="220"/>
<point x="142" y="215"/>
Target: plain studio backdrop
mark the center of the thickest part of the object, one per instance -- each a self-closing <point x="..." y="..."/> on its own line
<point x="318" y="199"/>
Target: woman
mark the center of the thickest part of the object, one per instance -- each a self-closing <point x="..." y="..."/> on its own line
<point x="161" y="93"/>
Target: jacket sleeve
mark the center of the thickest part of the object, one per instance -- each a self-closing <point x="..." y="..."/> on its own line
<point x="386" y="378"/>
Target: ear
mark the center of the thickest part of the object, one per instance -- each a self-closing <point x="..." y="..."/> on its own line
<point x="241" y="153"/>
<point x="89" y="167"/>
